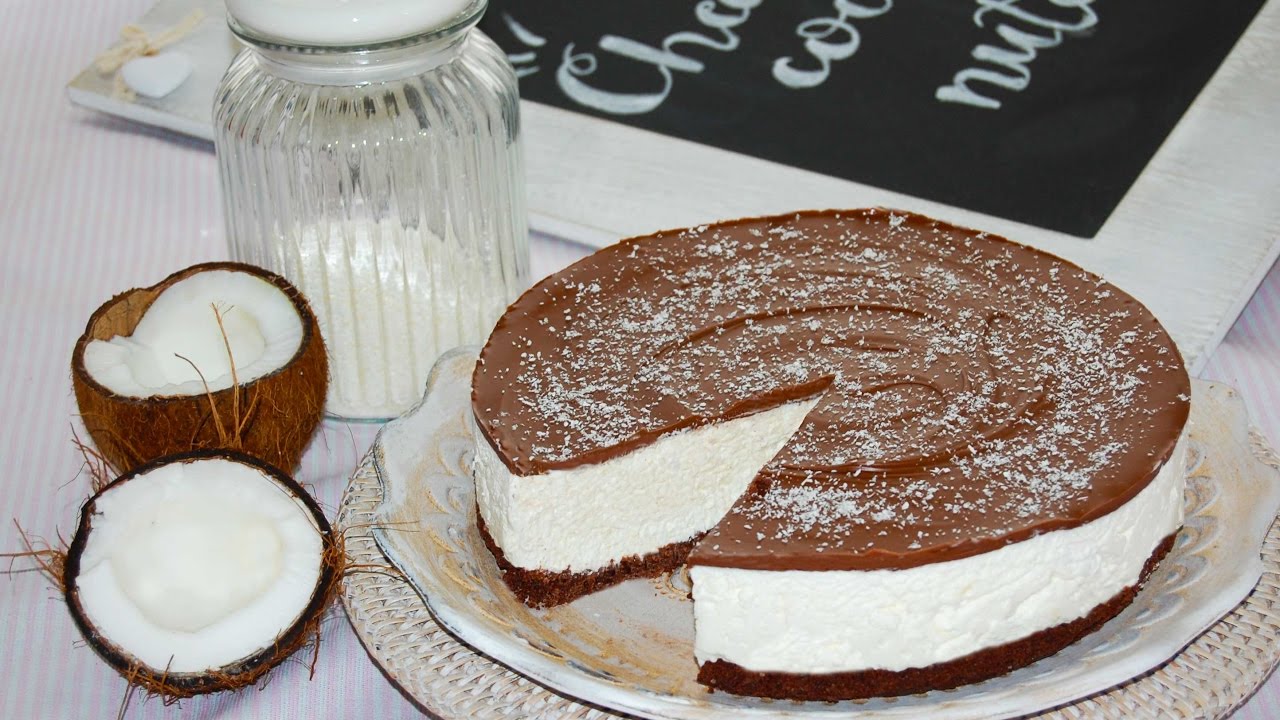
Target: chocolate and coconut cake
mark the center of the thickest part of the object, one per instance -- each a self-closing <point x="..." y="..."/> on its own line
<point x="896" y="455"/>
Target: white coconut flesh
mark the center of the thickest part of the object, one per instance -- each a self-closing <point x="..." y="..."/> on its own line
<point x="193" y="566"/>
<point x="178" y="338"/>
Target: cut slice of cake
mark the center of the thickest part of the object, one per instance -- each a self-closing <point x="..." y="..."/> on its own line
<point x="905" y="455"/>
<point x="644" y="509"/>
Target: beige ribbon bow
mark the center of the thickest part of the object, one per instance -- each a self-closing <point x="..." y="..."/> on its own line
<point x="135" y="43"/>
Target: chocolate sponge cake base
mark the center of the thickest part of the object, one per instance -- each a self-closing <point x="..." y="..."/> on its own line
<point x="544" y="588"/>
<point x="982" y="665"/>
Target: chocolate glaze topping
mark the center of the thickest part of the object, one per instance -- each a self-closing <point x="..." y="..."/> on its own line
<point x="971" y="392"/>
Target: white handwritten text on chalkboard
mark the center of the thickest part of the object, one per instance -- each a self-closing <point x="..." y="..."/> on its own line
<point x="826" y="40"/>
<point x="1024" y="31"/>
<point x="1024" y="43"/>
<point x="820" y="36"/>
<point x="575" y="66"/>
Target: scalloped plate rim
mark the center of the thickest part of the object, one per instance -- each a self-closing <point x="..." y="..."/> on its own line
<point x="512" y="653"/>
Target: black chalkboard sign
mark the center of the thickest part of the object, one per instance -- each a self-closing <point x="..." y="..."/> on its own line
<point x="1042" y="111"/>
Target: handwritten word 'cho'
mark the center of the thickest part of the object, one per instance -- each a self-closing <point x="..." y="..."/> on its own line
<point x="574" y="65"/>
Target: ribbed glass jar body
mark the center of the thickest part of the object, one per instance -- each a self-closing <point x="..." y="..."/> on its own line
<point x="386" y="183"/>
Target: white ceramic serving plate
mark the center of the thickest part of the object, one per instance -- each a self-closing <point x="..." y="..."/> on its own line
<point x="630" y="648"/>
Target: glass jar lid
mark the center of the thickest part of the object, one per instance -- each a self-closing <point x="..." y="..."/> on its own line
<point x="347" y="24"/>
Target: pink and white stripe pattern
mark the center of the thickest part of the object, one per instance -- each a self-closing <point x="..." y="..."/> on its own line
<point x="91" y="206"/>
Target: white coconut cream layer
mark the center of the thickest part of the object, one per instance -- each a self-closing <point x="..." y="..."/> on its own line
<point x="193" y="566"/>
<point x="840" y="621"/>
<point x="666" y="492"/>
<point x="178" y="345"/>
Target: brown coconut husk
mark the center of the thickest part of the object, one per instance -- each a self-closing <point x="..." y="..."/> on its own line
<point x="176" y="686"/>
<point x="50" y="559"/>
<point x="273" y="416"/>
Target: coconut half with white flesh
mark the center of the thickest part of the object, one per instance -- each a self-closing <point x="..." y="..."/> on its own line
<point x="217" y="355"/>
<point x="199" y="572"/>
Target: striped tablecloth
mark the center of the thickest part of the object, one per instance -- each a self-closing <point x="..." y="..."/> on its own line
<point x="90" y="206"/>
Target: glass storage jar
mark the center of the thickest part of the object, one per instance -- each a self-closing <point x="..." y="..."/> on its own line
<point x="374" y="160"/>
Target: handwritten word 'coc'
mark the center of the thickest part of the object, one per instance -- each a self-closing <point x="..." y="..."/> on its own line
<point x="826" y="39"/>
